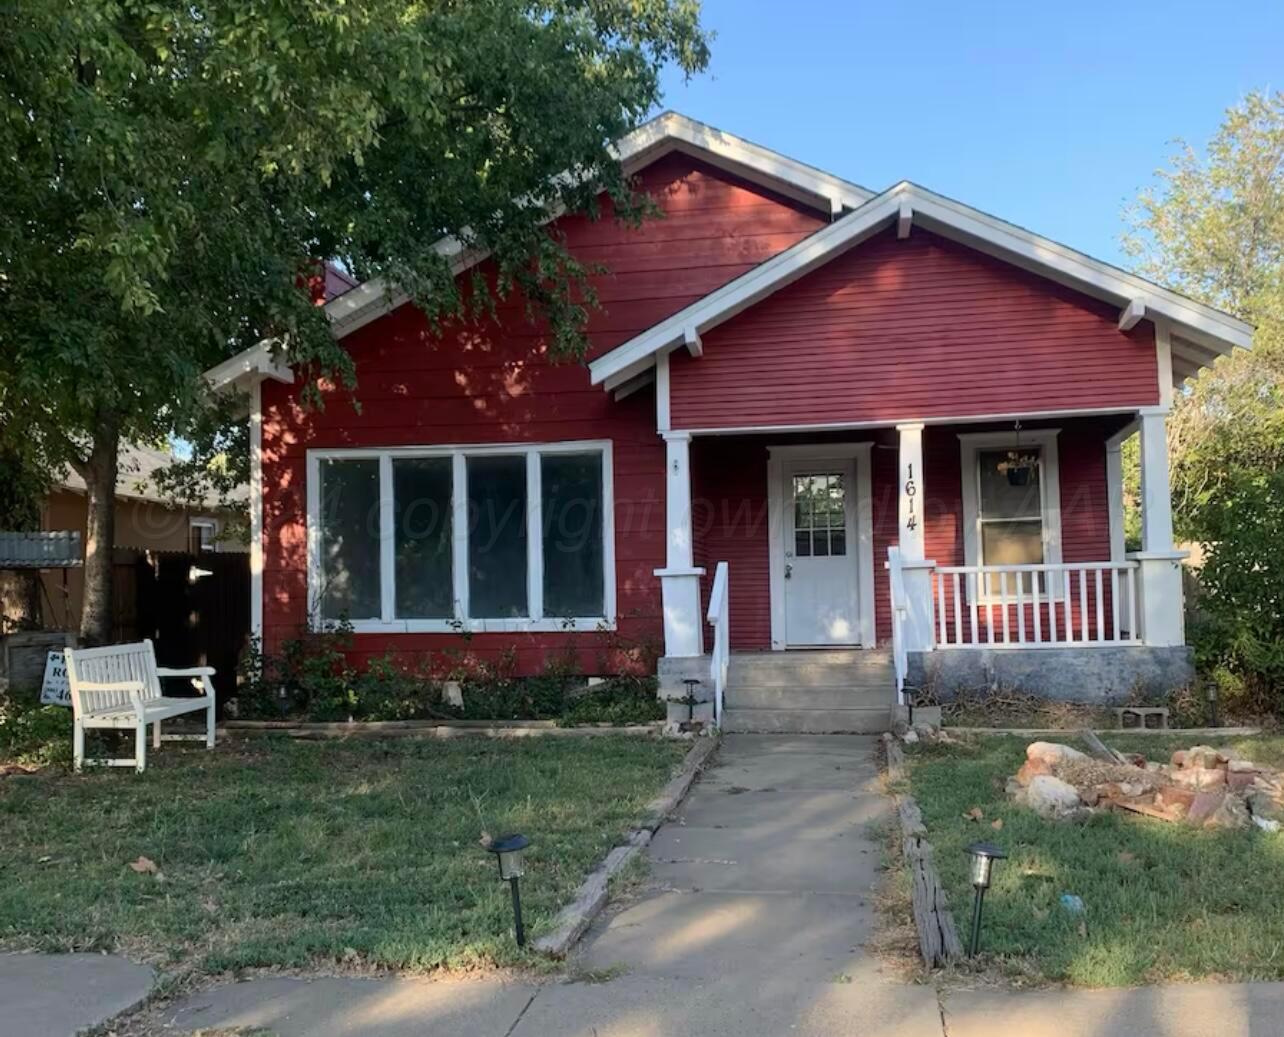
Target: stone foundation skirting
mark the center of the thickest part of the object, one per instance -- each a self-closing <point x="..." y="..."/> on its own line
<point x="1105" y="675"/>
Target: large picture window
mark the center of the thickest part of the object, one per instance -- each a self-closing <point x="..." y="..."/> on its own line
<point x="1011" y="506"/>
<point x="454" y="538"/>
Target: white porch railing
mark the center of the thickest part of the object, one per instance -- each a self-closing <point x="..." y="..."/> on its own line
<point x="1084" y="604"/>
<point x="900" y="660"/>
<point x="721" y="623"/>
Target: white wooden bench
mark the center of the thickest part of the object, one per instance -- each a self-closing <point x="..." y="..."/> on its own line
<point x="119" y="686"/>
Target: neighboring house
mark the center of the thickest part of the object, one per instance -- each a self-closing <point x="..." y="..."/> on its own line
<point x="881" y="419"/>
<point x="146" y="520"/>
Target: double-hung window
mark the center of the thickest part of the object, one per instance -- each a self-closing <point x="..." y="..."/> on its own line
<point x="462" y="538"/>
<point x="1011" y="507"/>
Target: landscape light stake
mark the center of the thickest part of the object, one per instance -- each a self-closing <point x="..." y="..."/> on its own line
<point x="692" y="683"/>
<point x="508" y="852"/>
<point x="983" y="857"/>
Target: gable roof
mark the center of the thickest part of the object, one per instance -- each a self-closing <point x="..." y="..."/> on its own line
<point x="1199" y="333"/>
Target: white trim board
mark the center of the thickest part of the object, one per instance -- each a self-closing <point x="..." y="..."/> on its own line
<point x="861" y="521"/>
<point x="1216" y="331"/>
<point x="461" y="622"/>
<point x="890" y="423"/>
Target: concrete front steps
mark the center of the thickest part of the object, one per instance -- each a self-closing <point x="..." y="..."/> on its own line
<point x="810" y="692"/>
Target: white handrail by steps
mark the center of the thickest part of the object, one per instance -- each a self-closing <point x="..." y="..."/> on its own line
<point x="721" y="657"/>
<point x="900" y="659"/>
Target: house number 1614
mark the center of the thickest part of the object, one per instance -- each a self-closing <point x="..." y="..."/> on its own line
<point x="911" y="491"/>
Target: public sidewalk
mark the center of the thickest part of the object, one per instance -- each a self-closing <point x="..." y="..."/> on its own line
<point x="753" y="923"/>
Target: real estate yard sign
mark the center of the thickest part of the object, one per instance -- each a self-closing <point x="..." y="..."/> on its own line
<point x="55" y="690"/>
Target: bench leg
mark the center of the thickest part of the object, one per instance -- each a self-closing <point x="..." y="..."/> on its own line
<point x="156" y="735"/>
<point x="78" y="745"/>
<point x="140" y="746"/>
<point x="209" y="724"/>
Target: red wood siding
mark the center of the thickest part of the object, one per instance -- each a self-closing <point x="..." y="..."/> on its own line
<point x="491" y="382"/>
<point x="918" y="328"/>
<point x="730" y="514"/>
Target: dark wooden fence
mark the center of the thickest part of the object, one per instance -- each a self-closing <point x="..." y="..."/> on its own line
<point x="196" y="619"/>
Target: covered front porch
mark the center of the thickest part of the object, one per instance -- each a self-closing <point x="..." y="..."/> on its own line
<point x="980" y="553"/>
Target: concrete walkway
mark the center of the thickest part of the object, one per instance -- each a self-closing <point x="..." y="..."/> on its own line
<point x="753" y="924"/>
<point x="58" y="995"/>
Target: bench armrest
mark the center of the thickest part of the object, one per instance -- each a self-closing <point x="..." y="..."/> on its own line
<point x="190" y="671"/>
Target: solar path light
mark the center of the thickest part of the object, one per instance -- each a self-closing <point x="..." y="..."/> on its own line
<point x="509" y="852"/>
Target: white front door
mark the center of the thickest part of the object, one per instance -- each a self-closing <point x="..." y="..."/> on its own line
<point x="822" y="600"/>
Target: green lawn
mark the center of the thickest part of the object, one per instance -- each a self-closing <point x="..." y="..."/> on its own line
<point x="1163" y="901"/>
<point x="287" y="853"/>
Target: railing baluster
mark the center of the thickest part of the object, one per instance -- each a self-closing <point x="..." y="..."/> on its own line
<point x="1114" y="602"/>
<point x="1133" y="634"/>
<point x="1038" y="620"/>
<point x="940" y="606"/>
<point x="1101" y="605"/>
<point x="1003" y="598"/>
<point x="958" y="613"/>
<point x="1083" y="605"/>
<point x="1020" y="607"/>
<point x="1068" y="610"/>
<point x="972" y="584"/>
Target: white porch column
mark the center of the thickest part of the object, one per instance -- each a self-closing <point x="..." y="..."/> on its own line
<point x="680" y="579"/>
<point x="1159" y="587"/>
<point x="919" y="630"/>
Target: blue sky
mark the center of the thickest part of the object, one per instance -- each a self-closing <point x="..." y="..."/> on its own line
<point x="1050" y="115"/>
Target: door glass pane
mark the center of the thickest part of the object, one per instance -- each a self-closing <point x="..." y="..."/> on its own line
<point x="802" y="544"/>
<point x="349" y="535"/>
<point x="421" y="492"/>
<point x="497" y="557"/>
<point x="571" y="506"/>
<point x="1010" y="485"/>
<point x="837" y="542"/>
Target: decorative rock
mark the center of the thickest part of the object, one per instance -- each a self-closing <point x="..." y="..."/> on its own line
<point x="1242" y="767"/>
<point x="1239" y="780"/>
<point x="1176" y="796"/>
<point x="1053" y="753"/>
<point x="1050" y="797"/>
<point x="1204" y="756"/>
<point x="1032" y="769"/>
<point x="1204" y="805"/>
<point x="1230" y="813"/>
<point x="1200" y="777"/>
<point x="452" y="694"/>
<point x="1262" y="804"/>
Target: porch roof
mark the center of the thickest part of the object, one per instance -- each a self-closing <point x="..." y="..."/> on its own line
<point x="1199" y="333"/>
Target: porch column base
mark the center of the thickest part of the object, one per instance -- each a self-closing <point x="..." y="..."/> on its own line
<point x="1159" y="597"/>
<point x="672" y="672"/>
<point x="918" y="631"/>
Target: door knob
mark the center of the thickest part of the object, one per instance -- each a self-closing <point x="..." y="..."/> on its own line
<point x="789" y="570"/>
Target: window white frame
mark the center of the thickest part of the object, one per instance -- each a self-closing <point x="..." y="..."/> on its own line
<point x="194" y="524"/>
<point x="970" y="445"/>
<point x="536" y="621"/>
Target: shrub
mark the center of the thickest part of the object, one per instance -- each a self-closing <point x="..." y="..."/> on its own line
<point x="33" y="734"/>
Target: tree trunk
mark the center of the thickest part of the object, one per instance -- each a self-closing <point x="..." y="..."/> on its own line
<point x="99" y="473"/>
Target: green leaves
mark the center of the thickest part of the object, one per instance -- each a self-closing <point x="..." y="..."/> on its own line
<point x="1214" y="229"/>
<point x="175" y="169"/>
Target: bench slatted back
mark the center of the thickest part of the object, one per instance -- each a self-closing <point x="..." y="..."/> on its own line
<point x="112" y="664"/>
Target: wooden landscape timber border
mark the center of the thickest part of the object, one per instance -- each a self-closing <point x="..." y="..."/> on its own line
<point x="938" y="939"/>
<point x="431" y="729"/>
<point x="572" y="921"/>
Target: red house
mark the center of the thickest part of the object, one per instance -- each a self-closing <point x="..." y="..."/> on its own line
<point x="814" y="417"/>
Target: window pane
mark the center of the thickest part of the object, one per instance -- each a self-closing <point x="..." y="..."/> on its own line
<point x="349" y="532"/>
<point x="571" y="503"/>
<point x="802" y="544"/>
<point x="1011" y="543"/>
<point x="497" y="562"/>
<point x="1009" y="489"/>
<point x="837" y="542"/>
<point x="421" y="493"/>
